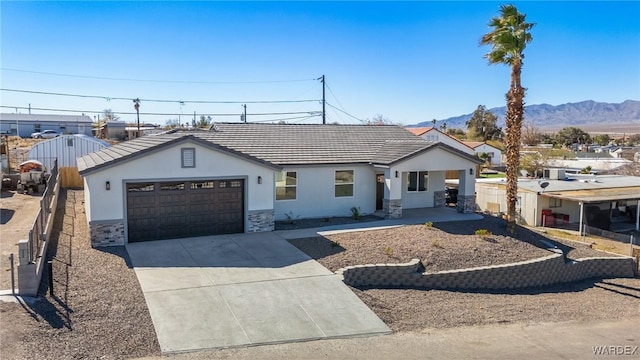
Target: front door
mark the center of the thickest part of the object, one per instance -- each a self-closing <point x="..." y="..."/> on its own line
<point x="379" y="190"/>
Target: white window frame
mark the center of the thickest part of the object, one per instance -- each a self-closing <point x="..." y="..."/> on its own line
<point x="424" y="175"/>
<point x="284" y="175"/>
<point x="336" y="183"/>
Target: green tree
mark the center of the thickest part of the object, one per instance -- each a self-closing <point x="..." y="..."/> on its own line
<point x="508" y="38"/>
<point x="483" y="125"/>
<point x="204" y="122"/>
<point x="572" y="135"/>
<point x="602" y="139"/>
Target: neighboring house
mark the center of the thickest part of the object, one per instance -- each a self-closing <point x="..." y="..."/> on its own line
<point x="568" y="199"/>
<point x="111" y="130"/>
<point x="596" y="164"/>
<point x="66" y="149"/>
<point x="24" y="125"/>
<point x="131" y="130"/>
<point x="627" y="153"/>
<point x="434" y="135"/>
<point x="243" y="177"/>
<point x="480" y="148"/>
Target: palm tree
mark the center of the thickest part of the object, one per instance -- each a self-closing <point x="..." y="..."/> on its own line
<point x="136" y="105"/>
<point x="508" y="39"/>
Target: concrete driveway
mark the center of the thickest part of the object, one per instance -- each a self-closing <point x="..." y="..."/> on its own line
<point x="243" y="289"/>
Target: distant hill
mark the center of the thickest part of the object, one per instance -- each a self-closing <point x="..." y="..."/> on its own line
<point x="584" y="113"/>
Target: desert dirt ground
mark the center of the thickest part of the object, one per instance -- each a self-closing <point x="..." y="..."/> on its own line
<point x="18" y="212"/>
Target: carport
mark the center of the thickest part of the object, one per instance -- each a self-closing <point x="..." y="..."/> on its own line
<point x="595" y="196"/>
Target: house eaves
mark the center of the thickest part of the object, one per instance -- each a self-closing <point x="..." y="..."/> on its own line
<point x="134" y="149"/>
<point x="415" y="149"/>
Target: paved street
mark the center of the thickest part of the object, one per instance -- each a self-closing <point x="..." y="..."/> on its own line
<point x="569" y="340"/>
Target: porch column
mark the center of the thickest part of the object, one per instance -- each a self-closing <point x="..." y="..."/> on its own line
<point x="466" y="191"/>
<point x="638" y="216"/>
<point x="581" y="215"/>
<point x="392" y="202"/>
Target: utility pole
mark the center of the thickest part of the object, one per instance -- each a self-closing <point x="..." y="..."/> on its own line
<point x="324" y="114"/>
<point x="136" y="105"/>
<point x="244" y="113"/>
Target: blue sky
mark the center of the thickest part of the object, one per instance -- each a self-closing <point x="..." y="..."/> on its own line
<point x="408" y="61"/>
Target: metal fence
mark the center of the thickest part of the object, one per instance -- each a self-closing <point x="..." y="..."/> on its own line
<point x="36" y="234"/>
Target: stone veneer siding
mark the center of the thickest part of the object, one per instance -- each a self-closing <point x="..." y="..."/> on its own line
<point x="439" y="199"/>
<point x="106" y="233"/>
<point x="392" y="208"/>
<point x="548" y="270"/>
<point x="466" y="203"/>
<point x="260" y="220"/>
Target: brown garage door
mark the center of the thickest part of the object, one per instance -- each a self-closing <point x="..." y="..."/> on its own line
<point x="178" y="209"/>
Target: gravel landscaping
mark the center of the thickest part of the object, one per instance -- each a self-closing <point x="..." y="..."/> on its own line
<point x="445" y="246"/>
<point x="97" y="311"/>
<point x="454" y="245"/>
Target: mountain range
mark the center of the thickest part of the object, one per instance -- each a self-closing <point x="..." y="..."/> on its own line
<point x="584" y="113"/>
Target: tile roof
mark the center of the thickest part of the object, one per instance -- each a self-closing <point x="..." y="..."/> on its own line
<point x="419" y="130"/>
<point x="282" y="144"/>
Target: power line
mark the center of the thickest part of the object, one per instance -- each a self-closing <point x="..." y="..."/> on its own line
<point x="153" y="80"/>
<point x="314" y="113"/>
<point x="344" y="112"/>
<point x="108" y="98"/>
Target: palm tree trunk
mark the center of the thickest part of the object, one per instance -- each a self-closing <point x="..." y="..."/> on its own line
<point x="515" y="111"/>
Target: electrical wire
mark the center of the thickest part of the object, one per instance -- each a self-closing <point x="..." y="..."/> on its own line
<point x="346" y="113"/>
<point x="108" y="98"/>
<point x="158" y="114"/>
<point x="153" y="80"/>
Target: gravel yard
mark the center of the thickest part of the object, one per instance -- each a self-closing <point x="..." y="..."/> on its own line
<point x="98" y="309"/>
<point x="457" y="247"/>
<point x="445" y="246"/>
<point x="422" y="310"/>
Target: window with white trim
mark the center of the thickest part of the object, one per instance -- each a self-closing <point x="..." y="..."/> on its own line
<point x="188" y="156"/>
<point x="344" y="180"/>
<point x="286" y="185"/>
<point x="417" y="181"/>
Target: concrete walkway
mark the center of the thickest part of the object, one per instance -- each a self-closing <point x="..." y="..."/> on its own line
<point x="243" y="289"/>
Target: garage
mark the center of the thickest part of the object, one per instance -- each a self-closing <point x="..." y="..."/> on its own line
<point x="179" y="209"/>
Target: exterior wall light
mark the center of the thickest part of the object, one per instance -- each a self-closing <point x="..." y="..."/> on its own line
<point x="259" y="179"/>
<point x="471" y="171"/>
<point x="107" y="185"/>
<point x="396" y="174"/>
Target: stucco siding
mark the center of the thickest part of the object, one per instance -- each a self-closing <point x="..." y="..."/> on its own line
<point x="166" y="165"/>
<point x="421" y="199"/>
<point x="315" y="193"/>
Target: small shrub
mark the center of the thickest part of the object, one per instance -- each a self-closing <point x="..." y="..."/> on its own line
<point x="355" y="213"/>
<point x="483" y="232"/>
<point x="335" y="244"/>
<point x="428" y="224"/>
<point x="291" y="219"/>
<point x="388" y="251"/>
<point x="437" y="244"/>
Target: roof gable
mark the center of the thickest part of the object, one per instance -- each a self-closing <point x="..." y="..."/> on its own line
<point x="134" y="149"/>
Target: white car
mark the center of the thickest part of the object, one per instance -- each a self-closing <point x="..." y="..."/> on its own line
<point x="47" y="134"/>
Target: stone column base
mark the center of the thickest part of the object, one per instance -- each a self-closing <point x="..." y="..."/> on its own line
<point x="260" y="220"/>
<point x="439" y="199"/>
<point x="106" y="233"/>
<point x="392" y="208"/>
<point x="466" y="203"/>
